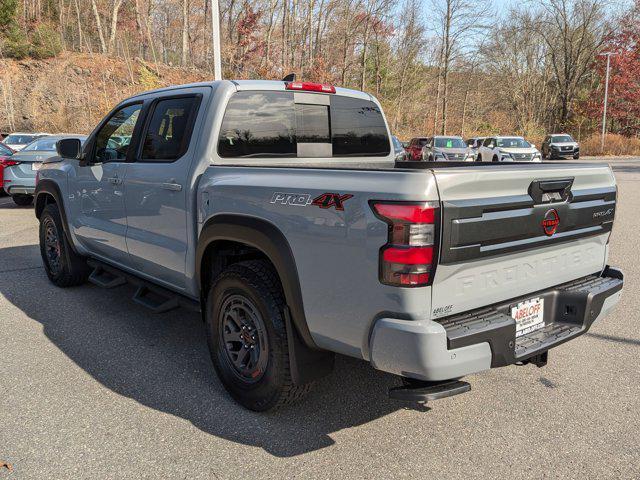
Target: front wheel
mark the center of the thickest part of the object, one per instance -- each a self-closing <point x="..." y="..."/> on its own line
<point x="576" y="156"/>
<point x="22" y="200"/>
<point x="495" y="158"/>
<point x="64" y="267"/>
<point x="247" y="337"/>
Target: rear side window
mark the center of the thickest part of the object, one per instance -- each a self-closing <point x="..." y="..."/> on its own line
<point x="169" y="131"/>
<point x="357" y="128"/>
<point x="258" y="124"/>
<point x="273" y="124"/>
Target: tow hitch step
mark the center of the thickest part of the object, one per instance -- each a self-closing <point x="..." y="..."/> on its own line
<point x="423" y="392"/>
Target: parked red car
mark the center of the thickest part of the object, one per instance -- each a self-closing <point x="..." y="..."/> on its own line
<point x="414" y="149"/>
<point x="5" y="158"/>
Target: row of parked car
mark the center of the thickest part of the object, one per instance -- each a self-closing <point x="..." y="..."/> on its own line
<point x="489" y="149"/>
<point x="21" y="155"/>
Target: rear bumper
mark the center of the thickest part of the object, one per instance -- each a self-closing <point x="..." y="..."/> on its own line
<point x="485" y="338"/>
<point x="14" y="183"/>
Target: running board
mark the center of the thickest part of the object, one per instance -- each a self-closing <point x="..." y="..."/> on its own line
<point x="105" y="279"/>
<point x="156" y="298"/>
<point x="422" y="392"/>
<point x="154" y="301"/>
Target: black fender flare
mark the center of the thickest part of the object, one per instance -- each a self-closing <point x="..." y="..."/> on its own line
<point x="49" y="187"/>
<point x="307" y="360"/>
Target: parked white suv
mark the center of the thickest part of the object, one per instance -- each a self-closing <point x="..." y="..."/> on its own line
<point x="508" y="149"/>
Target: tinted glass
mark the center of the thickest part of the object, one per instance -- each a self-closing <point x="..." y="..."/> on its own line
<point x="357" y="128"/>
<point x="258" y="124"/>
<point x="487" y="142"/>
<point x="20" y="139"/>
<point x="449" y="142"/>
<point x="312" y="123"/>
<point x="42" y="145"/>
<point x="113" y="139"/>
<point x="423" y="141"/>
<point x="4" y="150"/>
<point x="513" y="142"/>
<point x="169" y="132"/>
<point x="561" y="138"/>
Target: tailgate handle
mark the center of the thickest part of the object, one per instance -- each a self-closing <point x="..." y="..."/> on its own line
<point x="549" y="191"/>
<point x="554" y="185"/>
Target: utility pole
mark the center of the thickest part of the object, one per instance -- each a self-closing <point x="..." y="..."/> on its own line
<point x="215" y="31"/>
<point x="606" y="97"/>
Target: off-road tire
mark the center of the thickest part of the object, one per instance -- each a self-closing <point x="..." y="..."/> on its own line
<point x="257" y="282"/>
<point x="22" y="200"/>
<point x="72" y="269"/>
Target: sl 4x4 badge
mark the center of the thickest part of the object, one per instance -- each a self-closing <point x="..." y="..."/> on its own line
<point x="324" y="201"/>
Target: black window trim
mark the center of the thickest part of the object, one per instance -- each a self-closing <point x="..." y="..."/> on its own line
<point x="150" y="110"/>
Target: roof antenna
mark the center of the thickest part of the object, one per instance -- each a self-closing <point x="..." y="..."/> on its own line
<point x="290" y="78"/>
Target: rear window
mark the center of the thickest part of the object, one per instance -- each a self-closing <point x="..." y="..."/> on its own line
<point x="271" y="124"/>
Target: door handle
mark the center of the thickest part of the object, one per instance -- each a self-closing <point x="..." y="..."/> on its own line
<point x="174" y="187"/>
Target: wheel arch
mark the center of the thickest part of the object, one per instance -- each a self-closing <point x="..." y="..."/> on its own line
<point x="264" y="238"/>
<point x="48" y="192"/>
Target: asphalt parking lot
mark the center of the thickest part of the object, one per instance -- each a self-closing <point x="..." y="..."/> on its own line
<point x="95" y="386"/>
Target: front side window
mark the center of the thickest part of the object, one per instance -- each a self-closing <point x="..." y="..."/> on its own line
<point x="487" y="142"/>
<point x="273" y="124"/>
<point x="114" y="138"/>
<point x="169" y="133"/>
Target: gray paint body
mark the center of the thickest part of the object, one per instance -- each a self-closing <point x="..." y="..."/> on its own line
<point x="138" y="225"/>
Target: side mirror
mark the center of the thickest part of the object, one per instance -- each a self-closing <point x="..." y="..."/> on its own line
<point x="491" y="145"/>
<point x="69" y="148"/>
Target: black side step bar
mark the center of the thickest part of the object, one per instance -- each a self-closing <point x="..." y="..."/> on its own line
<point x="154" y="297"/>
<point x="104" y="279"/>
<point x="422" y="392"/>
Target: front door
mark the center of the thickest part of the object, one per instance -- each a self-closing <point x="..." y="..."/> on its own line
<point x="158" y="190"/>
<point x="99" y="218"/>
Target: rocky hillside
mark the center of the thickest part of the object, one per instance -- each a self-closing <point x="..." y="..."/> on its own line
<point x="72" y="92"/>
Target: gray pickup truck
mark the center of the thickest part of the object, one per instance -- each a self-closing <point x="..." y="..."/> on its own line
<point x="277" y="211"/>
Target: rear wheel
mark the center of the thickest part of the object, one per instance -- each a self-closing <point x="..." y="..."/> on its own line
<point x="247" y="337"/>
<point x="64" y="267"/>
<point x="22" y="199"/>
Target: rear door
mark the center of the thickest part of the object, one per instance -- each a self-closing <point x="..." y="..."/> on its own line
<point x="157" y="187"/>
<point x="508" y="231"/>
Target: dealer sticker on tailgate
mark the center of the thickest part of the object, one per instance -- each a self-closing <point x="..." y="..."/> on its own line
<point x="529" y="316"/>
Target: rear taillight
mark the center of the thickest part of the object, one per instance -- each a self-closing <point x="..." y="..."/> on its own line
<point x="7" y="162"/>
<point x="311" y="87"/>
<point x="409" y="258"/>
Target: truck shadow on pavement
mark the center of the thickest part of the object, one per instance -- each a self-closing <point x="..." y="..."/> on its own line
<point x="162" y="362"/>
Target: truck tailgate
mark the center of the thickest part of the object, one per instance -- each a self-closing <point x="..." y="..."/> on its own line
<point x="511" y="230"/>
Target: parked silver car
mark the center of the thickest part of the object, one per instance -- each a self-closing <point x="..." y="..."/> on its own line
<point x="18" y="140"/>
<point x="444" y="148"/>
<point x="20" y="177"/>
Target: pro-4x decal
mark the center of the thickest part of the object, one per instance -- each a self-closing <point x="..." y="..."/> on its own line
<point x="328" y="200"/>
